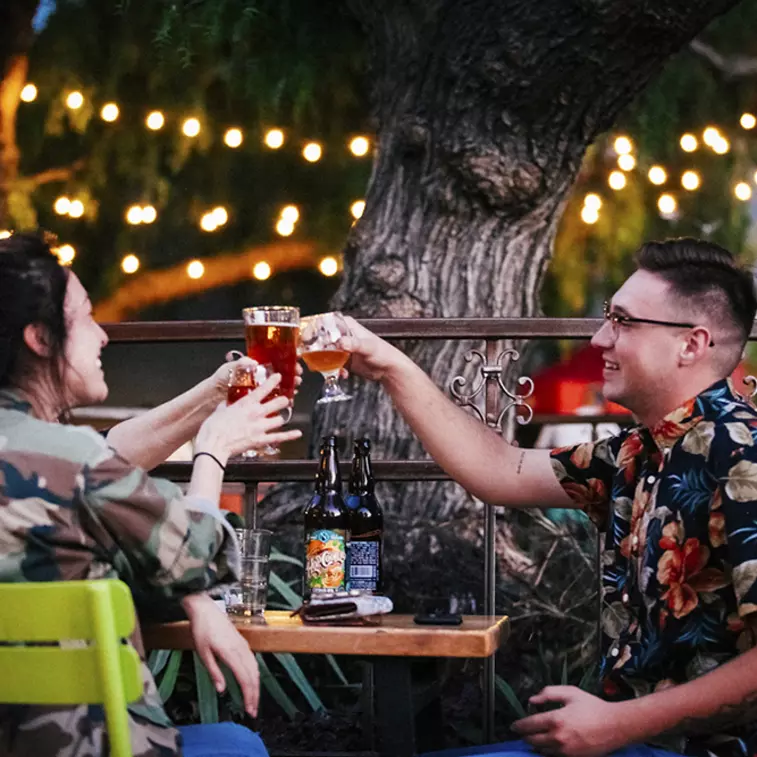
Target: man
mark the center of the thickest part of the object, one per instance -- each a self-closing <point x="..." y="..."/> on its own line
<point x="675" y="496"/>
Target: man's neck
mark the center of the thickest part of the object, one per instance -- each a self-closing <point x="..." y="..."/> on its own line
<point x="662" y="405"/>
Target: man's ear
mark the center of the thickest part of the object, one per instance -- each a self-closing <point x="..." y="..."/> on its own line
<point x="36" y="339"/>
<point x="695" y="346"/>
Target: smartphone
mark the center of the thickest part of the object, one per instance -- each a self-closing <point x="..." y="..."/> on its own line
<point x="438" y="619"/>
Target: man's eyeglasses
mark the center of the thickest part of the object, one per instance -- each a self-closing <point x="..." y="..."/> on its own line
<point x="616" y="320"/>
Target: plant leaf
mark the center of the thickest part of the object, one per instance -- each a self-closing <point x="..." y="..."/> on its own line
<point x="507" y="691"/>
<point x="168" y="682"/>
<point x="207" y="698"/>
<point x="273" y="687"/>
<point x="300" y="680"/>
<point x="157" y="661"/>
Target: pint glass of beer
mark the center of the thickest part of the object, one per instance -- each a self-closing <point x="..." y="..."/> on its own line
<point x="272" y="334"/>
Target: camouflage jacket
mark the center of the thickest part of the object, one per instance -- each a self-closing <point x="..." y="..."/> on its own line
<point x="71" y="508"/>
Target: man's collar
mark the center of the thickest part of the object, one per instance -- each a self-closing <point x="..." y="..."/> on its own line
<point x="710" y="402"/>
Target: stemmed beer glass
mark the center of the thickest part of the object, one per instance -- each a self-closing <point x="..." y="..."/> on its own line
<point x="319" y="348"/>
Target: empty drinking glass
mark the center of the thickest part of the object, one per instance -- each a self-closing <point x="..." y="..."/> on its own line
<point x="255" y="548"/>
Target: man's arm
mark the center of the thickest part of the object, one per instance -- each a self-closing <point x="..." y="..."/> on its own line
<point x="586" y="726"/>
<point x="473" y="454"/>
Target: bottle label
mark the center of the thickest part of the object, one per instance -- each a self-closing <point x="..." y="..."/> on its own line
<point x="364" y="565"/>
<point x="326" y="556"/>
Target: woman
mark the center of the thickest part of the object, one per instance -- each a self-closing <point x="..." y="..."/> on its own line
<point x="72" y="507"/>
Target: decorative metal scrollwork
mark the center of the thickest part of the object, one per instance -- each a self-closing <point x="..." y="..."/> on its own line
<point x="493" y="372"/>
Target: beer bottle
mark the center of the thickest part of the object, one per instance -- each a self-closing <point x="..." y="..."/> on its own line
<point x="366" y="524"/>
<point x="326" y="527"/>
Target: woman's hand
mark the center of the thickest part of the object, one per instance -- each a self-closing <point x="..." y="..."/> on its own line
<point x="216" y="640"/>
<point x="252" y="421"/>
<point x="220" y="378"/>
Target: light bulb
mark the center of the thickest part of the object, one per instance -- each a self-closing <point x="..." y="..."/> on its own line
<point x="155" y="120"/>
<point x="359" y="146"/>
<point x="657" y="175"/>
<point x="130" y="264"/>
<point x="357" y="208"/>
<point x="191" y="127"/>
<point x="261" y="271"/>
<point x="195" y="269"/>
<point x="616" y="180"/>
<point x="109" y="112"/>
<point x="623" y="145"/>
<point x="233" y="137"/>
<point x="75" y="100"/>
<point x="29" y="93"/>
<point x="274" y="138"/>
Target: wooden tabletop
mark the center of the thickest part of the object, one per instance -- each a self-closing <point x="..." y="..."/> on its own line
<point x="393" y="636"/>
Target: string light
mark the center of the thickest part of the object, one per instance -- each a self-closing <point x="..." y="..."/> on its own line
<point x="29" y="93"/>
<point x="195" y="269"/>
<point x="130" y="264"/>
<point x="357" y="208"/>
<point x="155" y="120"/>
<point x="748" y="121"/>
<point x="328" y="266"/>
<point x="623" y="145"/>
<point x="689" y="143"/>
<point x="290" y="214"/>
<point x="657" y="175"/>
<point x="233" y="137"/>
<point x="312" y="152"/>
<point x="359" y="146"/>
<point x="109" y="112"/>
<point x="690" y="180"/>
<point x="616" y="180"/>
<point x="627" y="162"/>
<point x="149" y="214"/>
<point x="589" y="215"/>
<point x="742" y="191"/>
<point x="284" y="227"/>
<point x="4" y="234"/>
<point x="190" y="127"/>
<point x="134" y="215"/>
<point x="76" y="209"/>
<point x="261" y="271"/>
<point x="710" y="135"/>
<point x="62" y="205"/>
<point x="721" y="146"/>
<point x="66" y="254"/>
<point x="593" y="200"/>
<point x="220" y="215"/>
<point x="208" y="222"/>
<point x="667" y="204"/>
<point x="274" y="138"/>
<point x="75" y="100"/>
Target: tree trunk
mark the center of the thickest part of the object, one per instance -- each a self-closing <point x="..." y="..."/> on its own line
<point x="484" y="111"/>
<point x="16" y="37"/>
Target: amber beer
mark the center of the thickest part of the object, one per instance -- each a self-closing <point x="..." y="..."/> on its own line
<point x="325" y="361"/>
<point x="272" y="334"/>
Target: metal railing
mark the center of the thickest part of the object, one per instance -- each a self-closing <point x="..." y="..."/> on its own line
<point x="497" y="400"/>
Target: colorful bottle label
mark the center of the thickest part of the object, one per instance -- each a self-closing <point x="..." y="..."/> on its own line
<point x="363" y="565"/>
<point x="326" y="557"/>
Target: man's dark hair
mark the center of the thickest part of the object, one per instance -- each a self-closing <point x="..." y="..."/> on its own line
<point x="705" y="277"/>
<point x="32" y="291"/>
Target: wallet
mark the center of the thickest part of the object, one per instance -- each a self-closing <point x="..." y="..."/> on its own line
<point x="343" y="606"/>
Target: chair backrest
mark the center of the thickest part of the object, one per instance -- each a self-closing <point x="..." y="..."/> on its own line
<point x="93" y="665"/>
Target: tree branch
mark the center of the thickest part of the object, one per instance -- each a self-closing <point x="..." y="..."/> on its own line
<point x="49" y="175"/>
<point x="154" y="287"/>
<point x="732" y="67"/>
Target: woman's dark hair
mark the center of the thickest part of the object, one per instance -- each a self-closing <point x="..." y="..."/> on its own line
<point x="706" y="277"/>
<point x="32" y="290"/>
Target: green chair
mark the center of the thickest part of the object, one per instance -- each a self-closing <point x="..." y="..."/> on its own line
<point x="99" y="669"/>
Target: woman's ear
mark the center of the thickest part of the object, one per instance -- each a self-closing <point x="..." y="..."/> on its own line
<point x="36" y="339"/>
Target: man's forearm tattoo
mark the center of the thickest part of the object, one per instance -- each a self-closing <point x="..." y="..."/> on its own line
<point x="520" y="463"/>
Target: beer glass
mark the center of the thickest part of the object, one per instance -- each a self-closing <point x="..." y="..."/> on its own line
<point x="255" y="549"/>
<point x="271" y="335"/>
<point x="242" y="380"/>
<point x="319" y="348"/>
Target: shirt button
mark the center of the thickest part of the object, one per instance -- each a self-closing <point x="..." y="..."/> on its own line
<point x="625" y="598"/>
<point x="614" y="651"/>
<point x="635" y="541"/>
<point x="650" y="479"/>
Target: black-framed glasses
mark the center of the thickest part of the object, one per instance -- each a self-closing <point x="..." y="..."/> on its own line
<point x="616" y="320"/>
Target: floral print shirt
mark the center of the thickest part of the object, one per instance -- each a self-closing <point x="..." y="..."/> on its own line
<point x="677" y="509"/>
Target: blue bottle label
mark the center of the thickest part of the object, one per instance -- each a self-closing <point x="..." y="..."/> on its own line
<point x="363" y="562"/>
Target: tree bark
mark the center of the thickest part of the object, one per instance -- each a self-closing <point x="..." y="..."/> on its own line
<point x="16" y="38"/>
<point x="484" y="110"/>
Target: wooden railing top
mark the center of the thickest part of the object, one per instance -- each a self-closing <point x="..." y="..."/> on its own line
<point x="390" y="328"/>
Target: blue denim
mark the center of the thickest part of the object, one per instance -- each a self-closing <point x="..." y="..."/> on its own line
<point x="521" y="749"/>
<point x="221" y="740"/>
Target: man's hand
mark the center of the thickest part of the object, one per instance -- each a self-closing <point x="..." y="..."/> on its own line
<point x="216" y="640"/>
<point x="371" y="356"/>
<point x="585" y="725"/>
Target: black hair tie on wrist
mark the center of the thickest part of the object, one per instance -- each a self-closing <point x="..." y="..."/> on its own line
<point x="212" y="457"/>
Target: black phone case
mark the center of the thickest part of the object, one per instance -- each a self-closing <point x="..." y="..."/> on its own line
<point x="438" y="620"/>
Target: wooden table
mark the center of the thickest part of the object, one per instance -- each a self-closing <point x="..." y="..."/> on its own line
<point x="391" y="645"/>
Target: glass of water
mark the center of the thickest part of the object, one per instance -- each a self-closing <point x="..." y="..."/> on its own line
<point x="255" y="547"/>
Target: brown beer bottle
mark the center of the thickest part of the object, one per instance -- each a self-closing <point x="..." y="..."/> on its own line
<point x="326" y="527"/>
<point x="366" y="523"/>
